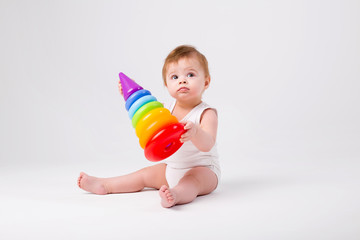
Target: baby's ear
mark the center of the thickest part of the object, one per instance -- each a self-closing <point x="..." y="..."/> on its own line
<point x="207" y="82"/>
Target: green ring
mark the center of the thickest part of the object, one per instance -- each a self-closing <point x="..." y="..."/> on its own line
<point x="144" y="110"/>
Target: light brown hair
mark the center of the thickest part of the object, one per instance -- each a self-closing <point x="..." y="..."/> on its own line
<point x="185" y="51"/>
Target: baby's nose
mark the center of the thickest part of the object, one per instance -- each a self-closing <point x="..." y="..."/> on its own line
<point x="182" y="80"/>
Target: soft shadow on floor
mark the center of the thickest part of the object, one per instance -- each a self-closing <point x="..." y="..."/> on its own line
<point x="236" y="187"/>
<point x="249" y="184"/>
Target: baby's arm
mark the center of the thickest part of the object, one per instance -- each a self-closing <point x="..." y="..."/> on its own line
<point x="203" y="136"/>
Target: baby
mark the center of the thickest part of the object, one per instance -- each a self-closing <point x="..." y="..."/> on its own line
<point x="194" y="169"/>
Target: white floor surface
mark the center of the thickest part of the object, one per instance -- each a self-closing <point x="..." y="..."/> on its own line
<point x="260" y="200"/>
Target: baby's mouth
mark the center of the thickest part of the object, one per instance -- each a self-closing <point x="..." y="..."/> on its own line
<point x="183" y="89"/>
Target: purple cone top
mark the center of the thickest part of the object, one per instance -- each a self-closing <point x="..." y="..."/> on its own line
<point x="128" y="85"/>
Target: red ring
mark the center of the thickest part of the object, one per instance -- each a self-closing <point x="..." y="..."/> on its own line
<point x="165" y="143"/>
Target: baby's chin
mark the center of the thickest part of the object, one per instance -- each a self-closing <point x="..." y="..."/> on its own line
<point x="184" y="96"/>
<point x="188" y="99"/>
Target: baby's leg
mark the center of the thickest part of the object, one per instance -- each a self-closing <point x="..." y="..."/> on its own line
<point x="152" y="177"/>
<point x="197" y="181"/>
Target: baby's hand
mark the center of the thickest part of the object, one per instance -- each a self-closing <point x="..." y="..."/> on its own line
<point x="191" y="130"/>
<point x="120" y="89"/>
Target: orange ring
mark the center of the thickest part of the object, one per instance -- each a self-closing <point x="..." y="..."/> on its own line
<point x="153" y="122"/>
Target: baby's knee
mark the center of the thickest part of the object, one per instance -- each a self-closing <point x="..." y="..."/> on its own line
<point x="204" y="177"/>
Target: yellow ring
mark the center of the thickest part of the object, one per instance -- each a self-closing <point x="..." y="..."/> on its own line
<point x="149" y="118"/>
<point x="154" y="128"/>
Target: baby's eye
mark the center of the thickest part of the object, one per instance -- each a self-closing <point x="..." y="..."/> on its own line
<point x="190" y="75"/>
<point x="174" y="77"/>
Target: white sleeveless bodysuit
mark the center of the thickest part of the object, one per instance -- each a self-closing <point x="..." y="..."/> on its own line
<point x="188" y="156"/>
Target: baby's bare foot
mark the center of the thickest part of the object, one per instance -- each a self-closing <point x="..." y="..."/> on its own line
<point x="168" y="197"/>
<point x="91" y="184"/>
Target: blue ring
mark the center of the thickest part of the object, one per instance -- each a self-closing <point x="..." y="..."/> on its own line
<point x="139" y="103"/>
<point x="135" y="96"/>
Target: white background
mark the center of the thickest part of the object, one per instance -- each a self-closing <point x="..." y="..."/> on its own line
<point x="285" y="81"/>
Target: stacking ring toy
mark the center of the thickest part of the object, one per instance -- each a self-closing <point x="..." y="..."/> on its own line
<point x="158" y="131"/>
<point x="139" y="103"/>
<point x="165" y="142"/>
<point x="143" y="110"/>
<point x="135" y="97"/>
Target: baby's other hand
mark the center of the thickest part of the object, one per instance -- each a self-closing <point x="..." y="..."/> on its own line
<point x="191" y="130"/>
<point x="120" y="89"/>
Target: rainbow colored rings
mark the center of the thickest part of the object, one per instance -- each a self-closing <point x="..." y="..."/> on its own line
<point x="140" y="113"/>
<point x="158" y="131"/>
<point x="139" y="103"/>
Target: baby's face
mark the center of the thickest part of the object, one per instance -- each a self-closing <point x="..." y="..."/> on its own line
<point x="186" y="79"/>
